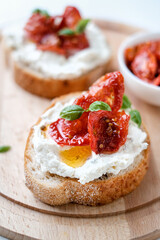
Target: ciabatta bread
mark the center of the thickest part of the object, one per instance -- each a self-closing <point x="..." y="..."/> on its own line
<point x="56" y="190"/>
<point x="35" y="83"/>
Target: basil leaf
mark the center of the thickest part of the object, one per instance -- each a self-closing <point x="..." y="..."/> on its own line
<point x="98" y="105"/>
<point x="66" y="31"/>
<point x="42" y="12"/>
<point x="136" y="117"/>
<point x="4" y="149"/>
<point x="126" y="102"/>
<point x="82" y="25"/>
<point x="71" y="112"/>
<point x="37" y="10"/>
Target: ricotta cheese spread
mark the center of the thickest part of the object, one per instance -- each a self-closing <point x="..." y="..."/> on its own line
<point x="47" y="152"/>
<point x="50" y="64"/>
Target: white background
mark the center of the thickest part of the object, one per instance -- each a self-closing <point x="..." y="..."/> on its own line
<point x="141" y="13"/>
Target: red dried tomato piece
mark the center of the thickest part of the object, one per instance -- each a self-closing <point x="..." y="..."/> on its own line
<point x="144" y="65"/>
<point x="85" y="100"/>
<point x="153" y="46"/>
<point x="73" y="44"/>
<point x="156" y="81"/>
<point x="43" y="30"/>
<point x="57" y="23"/>
<point x="157" y="50"/>
<point x="51" y="42"/>
<point x="37" y="26"/>
<point x="73" y="133"/>
<point x="145" y="46"/>
<point x="109" y="89"/>
<point x="108" y="131"/>
<point x="71" y="17"/>
<point x="130" y="54"/>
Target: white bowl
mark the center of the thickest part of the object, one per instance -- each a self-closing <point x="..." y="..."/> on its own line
<point x="145" y="91"/>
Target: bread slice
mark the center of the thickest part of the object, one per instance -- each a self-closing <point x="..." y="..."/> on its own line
<point x="35" y="83"/>
<point x="56" y="190"/>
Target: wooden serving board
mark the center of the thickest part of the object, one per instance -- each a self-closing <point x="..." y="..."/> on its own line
<point x="19" y="110"/>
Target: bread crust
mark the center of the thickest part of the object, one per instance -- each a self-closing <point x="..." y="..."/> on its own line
<point x="35" y="83"/>
<point x="52" y="87"/>
<point x="56" y="190"/>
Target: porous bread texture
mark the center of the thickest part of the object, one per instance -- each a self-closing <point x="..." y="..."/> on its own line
<point x="36" y="83"/>
<point x="56" y="190"/>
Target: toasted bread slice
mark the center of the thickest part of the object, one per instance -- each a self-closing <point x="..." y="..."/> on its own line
<point x="35" y="83"/>
<point x="56" y="190"/>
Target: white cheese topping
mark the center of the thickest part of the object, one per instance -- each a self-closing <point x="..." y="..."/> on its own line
<point x="47" y="152"/>
<point x="50" y="64"/>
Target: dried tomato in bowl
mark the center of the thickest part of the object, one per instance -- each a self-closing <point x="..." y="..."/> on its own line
<point x="144" y="61"/>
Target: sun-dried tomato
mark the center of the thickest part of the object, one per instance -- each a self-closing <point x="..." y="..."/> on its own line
<point x="104" y="131"/>
<point x="156" y="81"/>
<point x="130" y="54"/>
<point x="109" y="89"/>
<point x="73" y="44"/>
<point x="144" y="61"/>
<point x="153" y="46"/>
<point x="108" y="131"/>
<point x="51" y="42"/>
<point x="44" y="31"/>
<point x="71" y="17"/>
<point x="144" y="65"/>
<point x="56" y="23"/>
<point x="37" y="26"/>
<point x="157" y="50"/>
<point x="85" y="100"/>
<point x="74" y="133"/>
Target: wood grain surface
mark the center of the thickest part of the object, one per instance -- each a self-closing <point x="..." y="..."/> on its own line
<point x="19" y="110"/>
<point x="22" y="223"/>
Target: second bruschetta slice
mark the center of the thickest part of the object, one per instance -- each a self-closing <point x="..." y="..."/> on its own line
<point x="54" y="55"/>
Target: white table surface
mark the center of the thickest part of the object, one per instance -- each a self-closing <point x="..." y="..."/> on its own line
<point x="141" y="13"/>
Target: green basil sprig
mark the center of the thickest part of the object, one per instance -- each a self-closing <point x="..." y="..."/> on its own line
<point x="4" y="149"/>
<point x="99" y="105"/>
<point x="126" y="102"/>
<point x="81" y="26"/>
<point x="135" y="117"/>
<point x="66" y="31"/>
<point x="74" y="112"/>
<point x="42" y="12"/>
